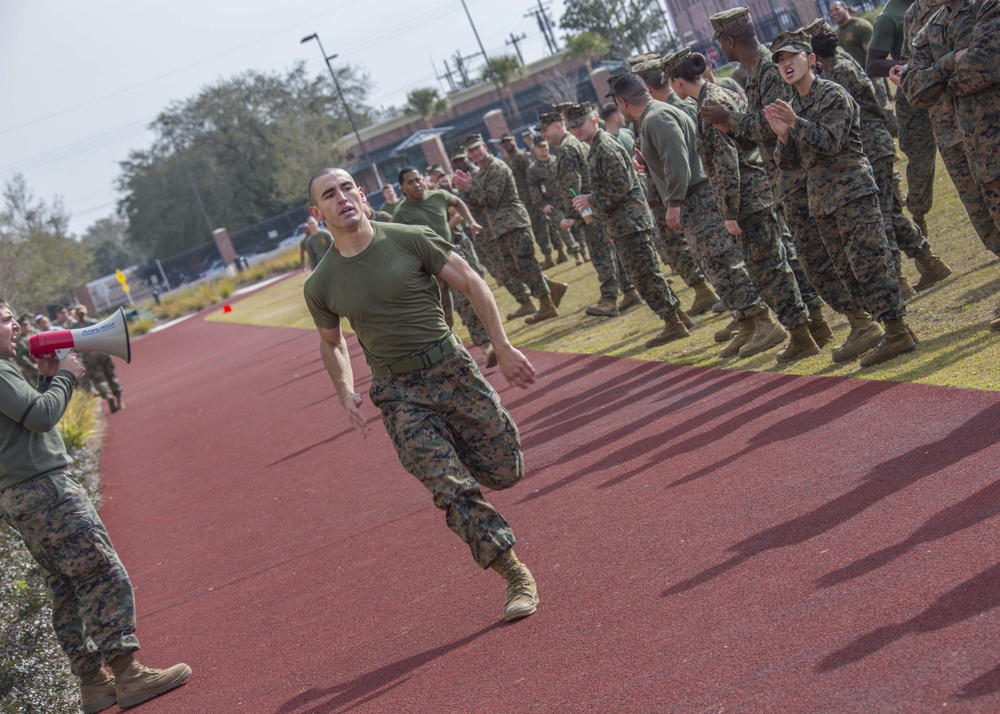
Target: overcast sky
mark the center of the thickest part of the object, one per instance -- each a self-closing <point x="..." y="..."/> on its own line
<point x="81" y="80"/>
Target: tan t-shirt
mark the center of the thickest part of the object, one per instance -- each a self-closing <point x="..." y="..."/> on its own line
<point x="388" y="292"/>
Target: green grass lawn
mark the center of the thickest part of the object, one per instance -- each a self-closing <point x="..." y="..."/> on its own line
<point x="956" y="348"/>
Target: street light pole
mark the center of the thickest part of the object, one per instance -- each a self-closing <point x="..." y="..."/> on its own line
<point x="347" y="107"/>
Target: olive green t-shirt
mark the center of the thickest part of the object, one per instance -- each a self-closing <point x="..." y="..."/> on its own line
<point x="853" y="36"/>
<point x="432" y="211"/>
<point x="388" y="292"/>
<point x="316" y="246"/>
<point x="887" y="32"/>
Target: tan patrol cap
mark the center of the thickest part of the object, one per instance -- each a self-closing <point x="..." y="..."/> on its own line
<point x="728" y="19"/>
<point x="639" y="59"/>
<point x="472" y="140"/>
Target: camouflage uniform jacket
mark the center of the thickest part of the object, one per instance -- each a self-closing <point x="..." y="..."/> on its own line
<point x="932" y="60"/>
<point x="477" y="210"/>
<point x="543" y="186"/>
<point x="572" y="173"/>
<point x="975" y="86"/>
<point x="826" y="142"/>
<point x="493" y="188"/>
<point x="916" y="18"/>
<point x="733" y="163"/>
<point x="617" y="196"/>
<point x="875" y="136"/>
<point x="688" y="106"/>
<point x="763" y="86"/>
<point x="668" y="137"/>
<point x="519" y="163"/>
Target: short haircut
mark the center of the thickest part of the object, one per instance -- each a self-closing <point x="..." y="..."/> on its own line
<point x="745" y="34"/>
<point x="405" y="170"/>
<point x="608" y="109"/>
<point x="631" y="88"/>
<point x="4" y="303"/>
<point x="825" y="43"/>
<point x="318" y="174"/>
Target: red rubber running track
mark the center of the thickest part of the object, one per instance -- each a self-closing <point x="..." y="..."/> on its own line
<point x="703" y="541"/>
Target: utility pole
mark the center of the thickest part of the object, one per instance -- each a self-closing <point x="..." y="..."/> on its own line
<point x="516" y="41"/>
<point x="541" y="16"/>
<point x="347" y="107"/>
<point x="452" y="87"/>
<point x="496" y="82"/>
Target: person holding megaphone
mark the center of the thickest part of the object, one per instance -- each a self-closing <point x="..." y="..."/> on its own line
<point x="93" y="609"/>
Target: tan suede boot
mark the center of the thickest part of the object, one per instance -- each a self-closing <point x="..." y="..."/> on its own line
<point x="865" y="334"/>
<point x="522" y="593"/>
<point x="932" y="269"/>
<point x="906" y="290"/>
<point x="546" y="310"/>
<point x="897" y="340"/>
<point x="607" y="307"/>
<point x="557" y="290"/>
<point x="819" y="328"/>
<point x="995" y="325"/>
<point x="767" y="333"/>
<point x="561" y="257"/>
<point x="527" y="308"/>
<point x="136" y="684"/>
<point x="629" y="299"/>
<point x="547" y="263"/>
<point x="726" y="333"/>
<point x="704" y="298"/>
<point x="97" y="691"/>
<point x="740" y="337"/>
<point x="685" y="319"/>
<point x="800" y="345"/>
<point x="673" y="329"/>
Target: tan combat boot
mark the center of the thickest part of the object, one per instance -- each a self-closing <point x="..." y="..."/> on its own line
<point x="740" y="337"/>
<point x="547" y="263"/>
<point x="579" y="258"/>
<point x="819" y="328"/>
<point x="800" y="345"/>
<point x="135" y="684"/>
<point x="704" y="298"/>
<point x="527" y="308"/>
<point x="921" y="222"/>
<point x="557" y="290"/>
<point x="97" y="691"/>
<point x="932" y="269"/>
<point x="121" y="402"/>
<point x="897" y="340"/>
<point x="685" y="319"/>
<point x="522" y="593"/>
<point x="607" y="307"/>
<point x="629" y="299"/>
<point x="546" y="310"/>
<point x="865" y="334"/>
<point x="489" y="354"/>
<point x="726" y="333"/>
<point x="906" y="290"/>
<point x="995" y="325"/>
<point x="673" y="329"/>
<point x="767" y="333"/>
<point x="561" y="257"/>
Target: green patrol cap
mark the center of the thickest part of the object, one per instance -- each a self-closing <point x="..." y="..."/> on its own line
<point x="561" y="107"/>
<point x="539" y="140"/>
<point x="578" y="113"/>
<point x="669" y="63"/>
<point x="729" y="19"/>
<point x="507" y="137"/>
<point x="790" y="41"/>
<point x="815" y="27"/>
<point x="649" y="69"/>
<point x="472" y="140"/>
<point x="435" y="170"/>
<point x="549" y="118"/>
<point x="639" y="59"/>
<point x="458" y="152"/>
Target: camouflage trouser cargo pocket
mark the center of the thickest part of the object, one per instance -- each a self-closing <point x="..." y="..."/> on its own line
<point x="451" y="432"/>
<point x="93" y="611"/>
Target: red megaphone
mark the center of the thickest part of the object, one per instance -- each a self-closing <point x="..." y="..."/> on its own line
<point x="109" y="336"/>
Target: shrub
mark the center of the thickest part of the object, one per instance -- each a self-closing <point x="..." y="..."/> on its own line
<point x="78" y="422"/>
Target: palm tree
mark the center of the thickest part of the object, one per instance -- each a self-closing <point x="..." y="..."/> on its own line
<point x="503" y="70"/>
<point x="425" y="103"/>
<point x="586" y="46"/>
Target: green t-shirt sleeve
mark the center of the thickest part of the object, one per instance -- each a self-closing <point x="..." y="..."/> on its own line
<point x="321" y="313"/>
<point x="432" y="250"/>
<point x="883" y="37"/>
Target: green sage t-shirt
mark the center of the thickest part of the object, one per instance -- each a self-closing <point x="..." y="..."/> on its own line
<point x="389" y="292"/>
<point x="853" y="36"/>
<point x="432" y="211"/>
<point x="887" y="32"/>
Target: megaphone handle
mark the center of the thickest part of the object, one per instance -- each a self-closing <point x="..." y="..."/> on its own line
<point x="62" y="353"/>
